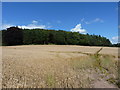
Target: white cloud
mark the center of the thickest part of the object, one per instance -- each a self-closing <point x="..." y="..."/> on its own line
<point x="94" y="21"/>
<point x="78" y="28"/>
<point x="98" y="20"/>
<point x="33" y="25"/>
<point x="34" y="22"/>
<point x="87" y="22"/>
<point x="115" y="39"/>
<point x="4" y="26"/>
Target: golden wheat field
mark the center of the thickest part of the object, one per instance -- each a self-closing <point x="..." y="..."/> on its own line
<point x="59" y="66"/>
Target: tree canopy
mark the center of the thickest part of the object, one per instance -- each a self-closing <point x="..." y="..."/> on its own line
<point x="18" y="36"/>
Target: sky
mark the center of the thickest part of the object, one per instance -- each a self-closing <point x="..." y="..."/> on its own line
<point x="99" y="18"/>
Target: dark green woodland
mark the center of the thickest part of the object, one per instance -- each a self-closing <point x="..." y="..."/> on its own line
<point x="17" y="36"/>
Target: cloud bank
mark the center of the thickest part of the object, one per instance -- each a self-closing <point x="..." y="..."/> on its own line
<point x="4" y="26"/>
<point x="78" y="28"/>
<point x="33" y="25"/>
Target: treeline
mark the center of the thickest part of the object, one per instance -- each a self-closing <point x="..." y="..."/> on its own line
<point x="18" y="36"/>
<point x="116" y="45"/>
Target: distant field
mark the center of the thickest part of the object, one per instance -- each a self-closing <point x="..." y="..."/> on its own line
<point x="59" y="66"/>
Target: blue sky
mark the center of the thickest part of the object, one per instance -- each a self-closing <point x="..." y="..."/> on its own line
<point x="83" y="17"/>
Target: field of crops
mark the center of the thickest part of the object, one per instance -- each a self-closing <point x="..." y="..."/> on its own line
<point x="59" y="66"/>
